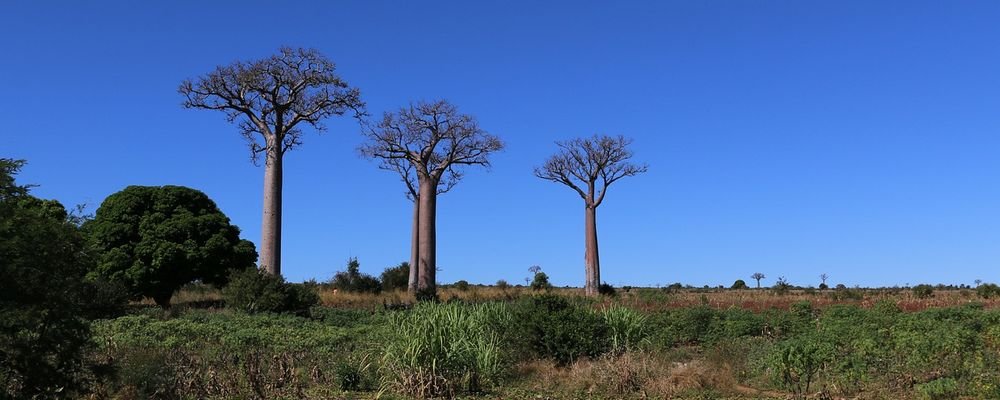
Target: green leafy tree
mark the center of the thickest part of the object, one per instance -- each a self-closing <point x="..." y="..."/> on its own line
<point x="43" y="259"/>
<point x="739" y="284"/>
<point x="353" y="280"/>
<point x="155" y="239"/>
<point x="397" y="277"/>
<point x="541" y="282"/>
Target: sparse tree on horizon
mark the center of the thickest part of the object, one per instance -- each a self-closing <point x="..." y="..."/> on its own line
<point x="823" y="277"/>
<point x="272" y="99"/>
<point x="426" y="143"/>
<point x="589" y="166"/>
<point x="757" y="276"/>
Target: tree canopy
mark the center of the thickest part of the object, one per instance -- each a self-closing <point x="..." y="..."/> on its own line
<point x="154" y="239"/>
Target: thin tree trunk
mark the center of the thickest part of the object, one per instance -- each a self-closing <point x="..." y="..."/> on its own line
<point x="270" y="229"/>
<point x="414" y="247"/>
<point x="426" y="270"/>
<point x="591" y="257"/>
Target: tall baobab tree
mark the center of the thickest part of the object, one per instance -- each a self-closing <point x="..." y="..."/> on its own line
<point x="426" y="143"/>
<point x="589" y="166"/>
<point x="757" y="276"/>
<point x="271" y="99"/>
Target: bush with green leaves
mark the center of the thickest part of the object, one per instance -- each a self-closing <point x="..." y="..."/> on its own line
<point x="988" y="290"/>
<point x="444" y="349"/>
<point x="923" y="291"/>
<point x="628" y="329"/>
<point x="799" y="361"/>
<point x="353" y="280"/>
<point x="739" y="284"/>
<point x="396" y="278"/>
<point x="540" y="282"/>
<point x="43" y="260"/>
<point x="255" y="291"/>
<point x="605" y="289"/>
<point x="155" y="239"/>
<point x="461" y="285"/>
<point x="553" y="327"/>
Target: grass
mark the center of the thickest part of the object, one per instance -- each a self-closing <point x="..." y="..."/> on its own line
<point x="686" y="344"/>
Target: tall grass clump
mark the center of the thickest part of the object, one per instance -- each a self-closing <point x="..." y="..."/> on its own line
<point x="441" y="349"/>
<point x="628" y="329"/>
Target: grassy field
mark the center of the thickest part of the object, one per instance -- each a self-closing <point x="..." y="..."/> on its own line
<point x="514" y="343"/>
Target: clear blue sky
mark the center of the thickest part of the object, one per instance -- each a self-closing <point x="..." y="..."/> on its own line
<point x="856" y="138"/>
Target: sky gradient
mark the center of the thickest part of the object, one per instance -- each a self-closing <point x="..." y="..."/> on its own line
<point x="794" y="138"/>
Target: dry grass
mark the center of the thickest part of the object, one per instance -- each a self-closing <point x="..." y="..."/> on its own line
<point x="631" y="375"/>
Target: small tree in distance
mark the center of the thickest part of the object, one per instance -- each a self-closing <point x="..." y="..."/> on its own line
<point x="433" y="140"/>
<point x="739" y="284"/>
<point x="757" y="276"/>
<point x="589" y="166"/>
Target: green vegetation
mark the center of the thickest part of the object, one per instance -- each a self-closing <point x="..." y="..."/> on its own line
<point x="155" y="239"/>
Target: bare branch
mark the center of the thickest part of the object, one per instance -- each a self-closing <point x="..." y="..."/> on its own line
<point x="429" y="140"/>
<point x="590" y="165"/>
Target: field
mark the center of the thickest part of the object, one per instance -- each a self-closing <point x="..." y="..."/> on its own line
<point x="516" y="343"/>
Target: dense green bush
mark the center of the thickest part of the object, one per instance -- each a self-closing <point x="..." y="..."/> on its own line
<point x="254" y="291"/>
<point x="988" y="290"/>
<point x="540" y="282"/>
<point x="443" y="349"/>
<point x="553" y="327"/>
<point x="43" y="260"/>
<point x="396" y="278"/>
<point x="461" y="286"/>
<point x="353" y="280"/>
<point x="739" y="284"/>
<point x="628" y="329"/>
<point x="923" y="291"/>
<point x="606" y="289"/>
<point x="155" y="239"/>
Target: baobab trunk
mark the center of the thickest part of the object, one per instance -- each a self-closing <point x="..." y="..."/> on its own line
<point x="414" y="247"/>
<point x="591" y="257"/>
<point x="427" y="248"/>
<point x="270" y="229"/>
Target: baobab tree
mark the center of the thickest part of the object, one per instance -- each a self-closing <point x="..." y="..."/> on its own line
<point x="757" y="276"/>
<point x="589" y="166"/>
<point x="272" y="99"/>
<point x="427" y="143"/>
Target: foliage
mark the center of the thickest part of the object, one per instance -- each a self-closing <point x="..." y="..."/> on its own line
<point x="628" y="329"/>
<point x="254" y="291"/>
<point x="782" y="286"/>
<point x="923" y="291"/>
<point x="353" y="280"/>
<point x="739" y="284"/>
<point x="939" y="389"/>
<point x="441" y="349"/>
<point x="552" y="327"/>
<point x="502" y="285"/>
<point x="154" y="239"/>
<point x="799" y="360"/>
<point x="541" y="282"/>
<point x="988" y="290"/>
<point x="43" y="259"/>
<point x="606" y="289"/>
<point x="462" y="285"/>
<point x="396" y="278"/>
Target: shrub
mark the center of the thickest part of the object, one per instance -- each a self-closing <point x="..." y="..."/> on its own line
<point x="798" y="361"/>
<point x="938" y="389"/>
<point x="554" y="328"/>
<point x="541" y="282"/>
<point x="155" y="239"/>
<point x="739" y="284"/>
<point x="605" y="289"/>
<point x="923" y="291"/>
<point x="442" y="349"/>
<point x="781" y="287"/>
<point x="254" y="291"/>
<point x="988" y="290"/>
<point x="43" y="259"/>
<point x="502" y="285"/>
<point x="396" y="278"/>
<point x="352" y="280"/>
<point x="628" y="329"/>
<point x="462" y="285"/>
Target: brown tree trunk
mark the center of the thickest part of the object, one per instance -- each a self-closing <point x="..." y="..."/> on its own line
<point x="270" y="229"/>
<point x="427" y="264"/>
<point x="592" y="259"/>
<point x="414" y="247"/>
